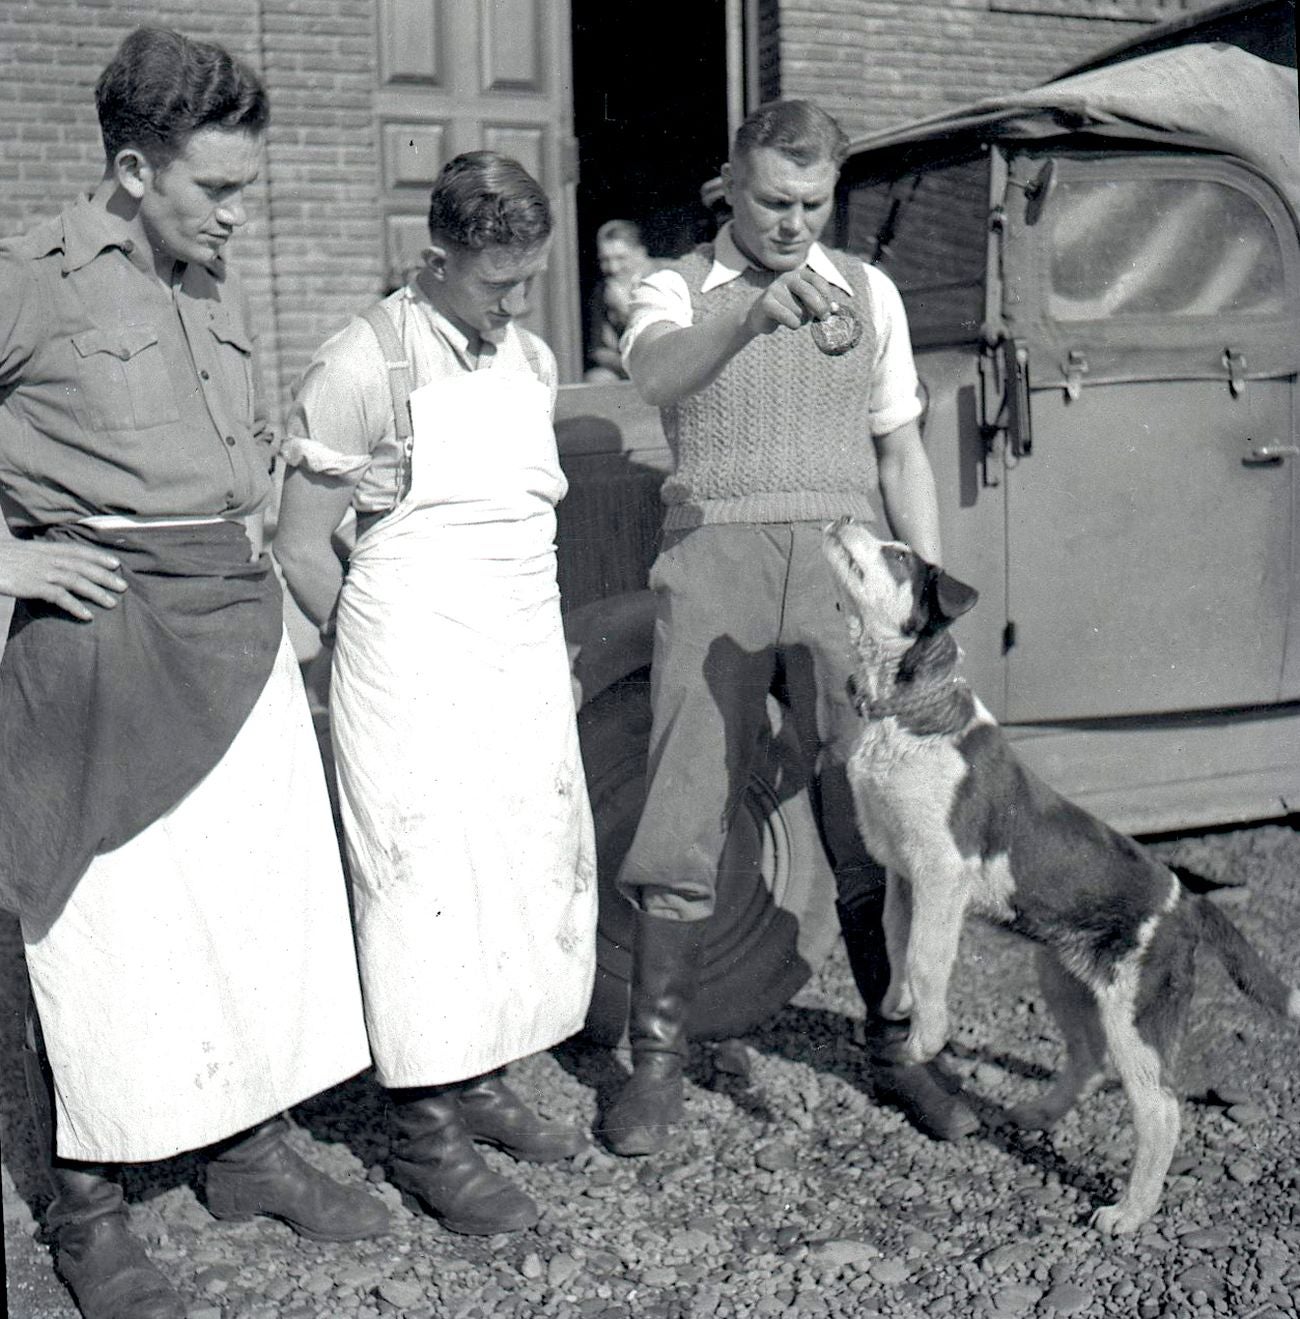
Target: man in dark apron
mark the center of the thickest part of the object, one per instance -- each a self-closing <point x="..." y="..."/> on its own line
<point x="166" y="837"/>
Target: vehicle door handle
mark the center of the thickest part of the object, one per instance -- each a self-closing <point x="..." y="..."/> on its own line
<point x="1016" y="405"/>
<point x="1270" y="453"/>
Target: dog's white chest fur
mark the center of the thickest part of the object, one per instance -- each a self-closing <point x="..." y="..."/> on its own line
<point x="904" y="786"/>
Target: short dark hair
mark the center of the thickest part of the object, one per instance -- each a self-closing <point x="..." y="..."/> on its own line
<point x="484" y="199"/>
<point x="161" y="88"/>
<point x="620" y="231"/>
<point x="799" y="130"/>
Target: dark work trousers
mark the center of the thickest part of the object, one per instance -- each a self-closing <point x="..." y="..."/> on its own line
<point x="737" y="605"/>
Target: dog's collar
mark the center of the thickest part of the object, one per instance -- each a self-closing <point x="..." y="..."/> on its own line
<point x="933" y="708"/>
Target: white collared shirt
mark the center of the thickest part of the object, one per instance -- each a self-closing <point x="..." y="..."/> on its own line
<point x="663" y="297"/>
<point x="341" y="422"/>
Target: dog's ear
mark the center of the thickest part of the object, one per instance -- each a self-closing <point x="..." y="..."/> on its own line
<point x="947" y="598"/>
<point x="937" y="600"/>
<point x="942" y="599"/>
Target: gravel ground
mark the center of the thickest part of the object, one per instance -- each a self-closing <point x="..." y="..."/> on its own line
<point x="794" y="1194"/>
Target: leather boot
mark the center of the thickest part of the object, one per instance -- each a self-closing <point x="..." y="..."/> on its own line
<point x="104" y="1266"/>
<point x="913" y="1088"/>
<point x="433" y="1158"/>
<point x="665" y="967"/>
<point x="494" y="1115"/>
<point x="260" y="1174"/>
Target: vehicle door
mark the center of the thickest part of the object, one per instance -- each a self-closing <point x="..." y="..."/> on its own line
<point x="1151" y="302"/>
<point x="927" y="227"/>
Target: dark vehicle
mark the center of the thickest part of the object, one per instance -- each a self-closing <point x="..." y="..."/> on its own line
<point x="1102" y="277"/>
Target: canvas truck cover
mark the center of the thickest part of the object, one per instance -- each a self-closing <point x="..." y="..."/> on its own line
<point x="1209" y="97"/>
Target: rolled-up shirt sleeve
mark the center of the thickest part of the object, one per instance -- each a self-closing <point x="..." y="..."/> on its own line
<point x="342" y="407"/>
<point x="661" y="297"/>
<point x="894" y="396"/>
<point x="299" y="451"/>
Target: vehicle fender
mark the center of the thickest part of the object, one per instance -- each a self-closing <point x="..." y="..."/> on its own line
<point x="607" y="640"/>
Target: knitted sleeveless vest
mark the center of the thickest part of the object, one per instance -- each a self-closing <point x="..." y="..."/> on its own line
<point x="784" y="432"/>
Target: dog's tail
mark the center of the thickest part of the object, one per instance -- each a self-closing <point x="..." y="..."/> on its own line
<point x="1248" y="970"/>
<point x="1199" y="883"/>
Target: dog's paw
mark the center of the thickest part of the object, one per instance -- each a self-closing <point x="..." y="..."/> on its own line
<point x="897" y="1004"/>
<point x="928" y="1035"/>
<point x="921" y="1047"/>
<point x="1118" y="1219"/>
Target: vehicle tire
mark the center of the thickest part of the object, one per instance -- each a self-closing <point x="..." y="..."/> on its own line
<point x="775" y="917"/>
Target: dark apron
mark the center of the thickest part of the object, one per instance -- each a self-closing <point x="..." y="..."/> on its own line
<point x="106" y="725"/>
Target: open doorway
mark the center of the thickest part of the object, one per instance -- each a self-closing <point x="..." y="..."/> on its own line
<point x="650" y="116"/>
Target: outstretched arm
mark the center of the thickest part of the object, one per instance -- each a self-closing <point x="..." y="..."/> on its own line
<point x="670" y="362"/>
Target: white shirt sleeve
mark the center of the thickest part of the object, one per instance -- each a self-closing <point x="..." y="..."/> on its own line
<point x="662" y="296"/>
<point x="894" y="397"/>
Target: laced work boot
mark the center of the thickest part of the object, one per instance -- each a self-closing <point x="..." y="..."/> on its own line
<point x="104" y="1266"/>
<point x="434" y="1160"/>
<point x="495" y="1115"/>
<point x="261" y="1174"/>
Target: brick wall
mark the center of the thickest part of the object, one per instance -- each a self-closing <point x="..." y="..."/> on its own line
<point x="318" y="57"/>
<point x="310" y="252"/>
<point x="876" y="62"/>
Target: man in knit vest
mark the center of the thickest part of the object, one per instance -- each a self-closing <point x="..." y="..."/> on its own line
<point x="772" y="437"/>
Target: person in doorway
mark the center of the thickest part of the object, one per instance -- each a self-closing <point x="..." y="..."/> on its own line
<point x="623" y="263"/>
<point x="461" y="784"/>
<point x="771" y="438"/>
<point x="166" y="834"/>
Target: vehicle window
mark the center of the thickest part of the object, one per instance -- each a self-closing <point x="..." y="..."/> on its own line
<point x="928" y="232"/>
<point x="1167" y="247"/>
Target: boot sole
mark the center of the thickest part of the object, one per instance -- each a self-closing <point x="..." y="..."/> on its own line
<point x="635" y="1143"/>
<point x="522" y="1156"/>
<point x="311" y="1234"/>
<point x="465" y="1227"/>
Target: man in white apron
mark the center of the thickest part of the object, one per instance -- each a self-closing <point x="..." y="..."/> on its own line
<point x="463" y="799"/>
<point x="166" y="835"/>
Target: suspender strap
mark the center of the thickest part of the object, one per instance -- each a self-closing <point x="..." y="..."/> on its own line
<point x="399" y="385"/>
<point x="531" y="355"/>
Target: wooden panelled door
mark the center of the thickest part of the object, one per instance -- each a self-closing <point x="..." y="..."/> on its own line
<point x="462" y="75"/>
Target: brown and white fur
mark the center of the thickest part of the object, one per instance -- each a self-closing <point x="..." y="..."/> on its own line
<point x="961" y="825"/>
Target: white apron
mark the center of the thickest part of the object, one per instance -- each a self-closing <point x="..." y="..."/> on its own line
<point x="464" y="803"/>
<point x="202" y="976"/>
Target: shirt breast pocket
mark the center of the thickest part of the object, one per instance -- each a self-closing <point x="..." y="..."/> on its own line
<point x="122" y="378"/>
<point x="233" y="348"/>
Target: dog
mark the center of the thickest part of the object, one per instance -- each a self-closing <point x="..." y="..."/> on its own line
<point x="960" y="825"/>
